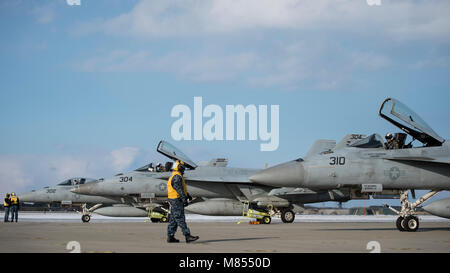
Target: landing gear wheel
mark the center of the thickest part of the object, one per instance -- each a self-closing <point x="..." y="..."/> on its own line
<point x="266" y="220"/>
<point x="85" y="218"/>
<point x="164" y="219"/>
<point x="411" y="223"/>
<point x="287" y="216"/>
<point x="399" y="224"/>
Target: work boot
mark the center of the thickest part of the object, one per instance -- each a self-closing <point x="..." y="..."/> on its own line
<point x="172" y="239"/>
<point x="190" y="238"/>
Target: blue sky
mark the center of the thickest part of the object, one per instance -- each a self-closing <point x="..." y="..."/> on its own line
<point x="87" y="90"/>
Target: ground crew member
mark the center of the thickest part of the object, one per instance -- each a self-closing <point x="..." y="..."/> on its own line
<point x="14" y="207"/>
<point x="178" y="199"/>
<point x="6" y="205"/>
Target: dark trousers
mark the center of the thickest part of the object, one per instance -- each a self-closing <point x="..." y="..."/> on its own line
<point x="14" y="213"/>
<point x="6" y="214"/>
<point x="177" y="218"/>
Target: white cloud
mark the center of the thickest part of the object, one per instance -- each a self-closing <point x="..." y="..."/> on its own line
<point x="122" y="158"/>
<point x="369" y="60"/>
<point x="292" y="65"/>
<point x="397" y="19"/>
<point x="287" y="43"/>
<point x="25" y="172"/>
<point x="44" y="12"/>
<point x="203" y="67"/>
<point x="13" y="175"/>
<point x="434" y="62"/>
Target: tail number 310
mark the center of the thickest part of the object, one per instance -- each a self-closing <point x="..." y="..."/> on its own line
<point x="337" y="160"/>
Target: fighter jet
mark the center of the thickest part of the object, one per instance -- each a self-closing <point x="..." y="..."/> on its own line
<point x="219" y="190"/>
<point x="371" y="167"/>
<point x="61" y="194"/>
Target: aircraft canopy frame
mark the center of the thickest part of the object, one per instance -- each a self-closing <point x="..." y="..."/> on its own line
<point x="174" y="153"/>
<point x="391" y="108"/>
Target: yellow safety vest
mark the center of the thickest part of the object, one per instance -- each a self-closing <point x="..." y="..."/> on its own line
<point x="5" y="204"/>
<point x="14" y="200"/>
<point x="171" y="192"/>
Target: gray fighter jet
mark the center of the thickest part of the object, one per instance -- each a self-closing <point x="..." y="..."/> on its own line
<point x="219" y="190"/>
<point x="371" y="167"/>
<point x="61" y="194"/>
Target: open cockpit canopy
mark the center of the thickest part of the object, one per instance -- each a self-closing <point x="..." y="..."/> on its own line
<point x="404" y="118"/>
<point x="173" y="153"/>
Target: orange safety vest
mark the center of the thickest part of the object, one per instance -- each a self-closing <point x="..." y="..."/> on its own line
<point x="171" y="192"/>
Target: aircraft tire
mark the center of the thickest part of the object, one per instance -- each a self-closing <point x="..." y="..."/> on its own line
<point x="411" y="223"/>
<point x="266" y="220"/>
<point x="85" y="218"/>
<point x="399" y="224"/>
<point x="287" y="216"/>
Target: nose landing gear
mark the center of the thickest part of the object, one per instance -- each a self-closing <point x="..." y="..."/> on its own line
<point x="406" y="220"/>
<point x="86" y="213"/>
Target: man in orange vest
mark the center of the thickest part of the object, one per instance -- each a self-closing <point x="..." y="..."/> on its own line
<point x="178" y="199"/>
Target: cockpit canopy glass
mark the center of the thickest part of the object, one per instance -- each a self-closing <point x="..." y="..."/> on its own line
<point x="392" y="109"/>
<point x="155" y="168"/>
<point x="76" y="181"/>
<point x="372" y="141"/>
<point x="173" y="153"/>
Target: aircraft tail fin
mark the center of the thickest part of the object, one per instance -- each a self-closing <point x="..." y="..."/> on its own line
<point x="320" y="146"/>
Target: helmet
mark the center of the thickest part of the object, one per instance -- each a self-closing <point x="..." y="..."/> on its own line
<point x="179" y="166"/>
<point x="13" y="194"/>
<point x="388" y="136"/>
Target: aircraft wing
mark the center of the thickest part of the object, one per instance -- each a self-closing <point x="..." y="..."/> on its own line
<point x="213" y="179"/>
<point x="229" y="179"/>
<point x="444" y="160"/>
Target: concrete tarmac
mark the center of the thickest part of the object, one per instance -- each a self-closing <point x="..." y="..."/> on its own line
<point x="219" y="237"/>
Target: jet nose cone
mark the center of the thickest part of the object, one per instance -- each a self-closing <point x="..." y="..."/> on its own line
<point x="290" y="174"/>
<point x="28" y="197"/>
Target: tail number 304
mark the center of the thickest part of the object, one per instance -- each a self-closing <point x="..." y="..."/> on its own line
<point x="126" y="179"/>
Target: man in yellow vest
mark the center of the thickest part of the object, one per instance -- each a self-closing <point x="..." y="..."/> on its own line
<point x="14" y="207"/>
<point x="178" y="199"/>
<point x="6" y="205"/>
